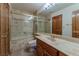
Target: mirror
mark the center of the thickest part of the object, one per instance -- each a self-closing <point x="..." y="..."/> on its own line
<point x="69" y="24"/>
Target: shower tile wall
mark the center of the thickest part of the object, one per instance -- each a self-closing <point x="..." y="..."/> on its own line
<point x="21" y="32"/>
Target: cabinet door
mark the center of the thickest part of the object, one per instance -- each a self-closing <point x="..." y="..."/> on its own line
<point x="39" y="50"/>
<point x="46" y="53"/>
<point x="52" y="51"/>
<point x="62" y="54"/>
<point x="4" y="29"/>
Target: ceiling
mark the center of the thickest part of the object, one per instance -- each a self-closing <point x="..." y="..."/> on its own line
<point x="27" y="7"/>
<point x="32" y="7"/>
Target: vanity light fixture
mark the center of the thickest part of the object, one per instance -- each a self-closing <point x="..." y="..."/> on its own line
<point x="48" y="5"/>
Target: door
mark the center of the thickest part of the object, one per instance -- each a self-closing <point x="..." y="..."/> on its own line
<point x="75" y="26"/>
<point x="4" y="29"/>
<point x="57" y="24"/>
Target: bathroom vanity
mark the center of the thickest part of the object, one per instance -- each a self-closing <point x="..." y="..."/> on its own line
<point x="44" y="49"/>
<point x="56" y="47"/>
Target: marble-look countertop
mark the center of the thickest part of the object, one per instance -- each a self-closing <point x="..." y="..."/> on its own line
<point x="67" y="47"/>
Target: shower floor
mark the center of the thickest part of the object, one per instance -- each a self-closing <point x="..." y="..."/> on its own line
<point x="19" y="47"/>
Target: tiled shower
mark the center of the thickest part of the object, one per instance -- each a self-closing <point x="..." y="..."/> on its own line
<point x="22" y="32"/>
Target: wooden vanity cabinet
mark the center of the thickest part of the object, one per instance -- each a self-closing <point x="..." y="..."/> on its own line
<point x="39" y="50"/>
<point x="44" y="49"/>
<point x="62" y="54"/>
